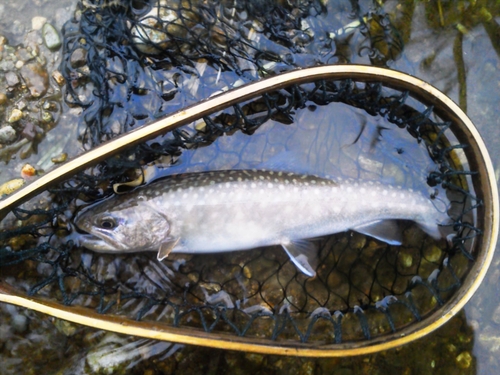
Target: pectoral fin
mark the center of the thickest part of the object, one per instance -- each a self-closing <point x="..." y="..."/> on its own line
<point x="304" y="254"/>
<point x="383" y="230"/>
<point x="166" y="247"/>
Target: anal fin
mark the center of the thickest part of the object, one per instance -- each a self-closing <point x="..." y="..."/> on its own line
<point x="304" y="254"/>
<point x="383" y="230"/>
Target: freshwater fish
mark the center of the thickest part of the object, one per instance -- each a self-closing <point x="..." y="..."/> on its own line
<point x="243" y="209"/>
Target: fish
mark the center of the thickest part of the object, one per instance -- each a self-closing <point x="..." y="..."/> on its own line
<point x="219" y="211"/>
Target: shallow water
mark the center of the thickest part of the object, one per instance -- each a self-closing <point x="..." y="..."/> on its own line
<point x="468" y="344"/>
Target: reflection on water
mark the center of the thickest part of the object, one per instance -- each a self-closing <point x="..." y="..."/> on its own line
<point x="430" y="53"/>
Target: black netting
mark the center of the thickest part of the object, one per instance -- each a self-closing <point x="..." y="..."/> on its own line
<point x="129" y="62"/>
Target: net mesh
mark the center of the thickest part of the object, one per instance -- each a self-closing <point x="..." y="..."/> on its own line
<point x="141" y="60"/>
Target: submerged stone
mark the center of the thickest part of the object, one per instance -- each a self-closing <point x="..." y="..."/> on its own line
<point x="7" y="134"/>
<point x="36" y="78"/>
<point x="12" y="79"/>
<point x="78" y="58"/>
<point x="15" y="115"/>
<point x="51" y="37"/>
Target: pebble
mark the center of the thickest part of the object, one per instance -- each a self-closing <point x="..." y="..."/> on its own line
<point x="3" y="98"/>
<point x="36" y="78"/>
<point x="19" y="323"/>
<point x="66" y="328"/>
<point x="7" y="134"/>
<point x="58" y="77"/>
<point x="15" y="115"/>
<point x="464" y="360"/>
<point x="59" y="158"/>
<point x="12" y="79"/>
<point x="496" y="315"/>
<point x="28" y="171"/>
<point x="38" y="22"/>
<point x="11" y="186"/>
<point x="51" y="37"/>
<point x="7" y="65"/>
<point x="23" y="54"/>
<point x="78" y="58"/>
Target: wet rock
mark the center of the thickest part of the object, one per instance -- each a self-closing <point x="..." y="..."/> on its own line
<point x="51" y="37"/>
<point x="15" y="115"/>
<point x="58" y="77"/>
<point x="19" y="323"/>
<point x="36" y="79"/>
<point x="12" y="79"/>
<point x="47" y="117"/>
<point x="11" y="186"/>
<point x="7" y="134"/>
<point x="59" y="158"/>
<point x="23" y="54"/>
<point x="7" y="65"/>
<point x="38" y="22"/>
<point x="78" y="58"/>
<point x="496" y="315"/>
<point x="3" y="98"/>
<point x="464" y="360"/>
<point x="30" y="131"/>
<point x="65" y="327"/>
<point x="28" y="171"/>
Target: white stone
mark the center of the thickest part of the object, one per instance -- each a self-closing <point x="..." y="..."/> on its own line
<point x="38" y="22"/>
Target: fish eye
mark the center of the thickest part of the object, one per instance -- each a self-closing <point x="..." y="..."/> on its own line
<point x="107" y="223"/>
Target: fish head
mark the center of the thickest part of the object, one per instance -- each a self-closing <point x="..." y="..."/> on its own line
<point x="126" y="226"/>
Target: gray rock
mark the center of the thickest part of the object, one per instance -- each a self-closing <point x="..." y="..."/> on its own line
<point x="36" y="78"/>
<point x="78" y="58"/>
<point x="12" y="79"/>
<point x="7" y="65"/>
<point x="51" y="37"/>
<point x="7" y="134"/>
<point x="20" y="323"/>
<point x="496" y="315"/>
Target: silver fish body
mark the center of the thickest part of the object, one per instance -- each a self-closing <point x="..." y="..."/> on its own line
<point x="243" y="209"/>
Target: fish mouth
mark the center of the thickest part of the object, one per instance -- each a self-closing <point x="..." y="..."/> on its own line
<point x="95" y="243"/>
